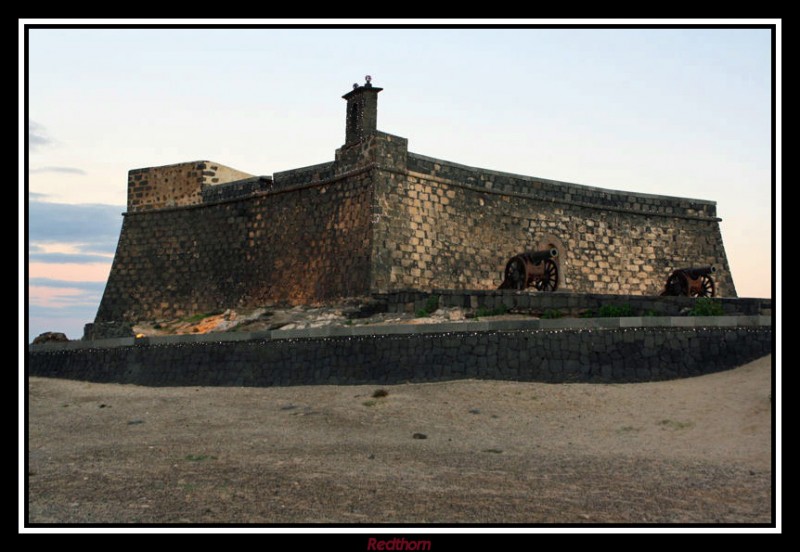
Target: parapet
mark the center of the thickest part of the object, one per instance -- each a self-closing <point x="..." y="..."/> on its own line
<point x="578" y="195"/>
<point x="176" y="185"/>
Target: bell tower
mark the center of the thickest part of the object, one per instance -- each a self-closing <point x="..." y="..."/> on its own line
<point x="362" y="111"/>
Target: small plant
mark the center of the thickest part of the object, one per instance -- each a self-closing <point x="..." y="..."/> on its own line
<point x="706" y="306"/>
<point x="674" y="424"/>
<point x="627" y="429"/>
<point x="380" y="393"/>
<point x="496" y="311"/>
<point x="195" y="318"/>
<point x="370" y="403"/>
<point x="199" y="457"/>
<point x="614" y="311"/>
<point x="157" y="326"/>
<point x="551" y="314"/>
<point x="431" y="306"/>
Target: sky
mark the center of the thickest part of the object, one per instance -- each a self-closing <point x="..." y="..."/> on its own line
<point x="680" y="112"/>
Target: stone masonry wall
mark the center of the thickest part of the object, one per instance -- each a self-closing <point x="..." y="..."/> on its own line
<point x="577" y="355"/>
<point x="543" y="188"/>
<point x="176" y="185"/>
<point x="298" y="246"/>
<point x="453" y="227"/>
<point x="200" y="237"/>
<point x="303" y="175"/>
<point x="236" y="189"/>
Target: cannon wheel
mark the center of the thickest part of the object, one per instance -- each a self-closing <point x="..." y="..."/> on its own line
<point x="514" y="274"/>
<point x="549" y="281"/>
<point x="706" y="288"/>
<point x="676" y="285"/>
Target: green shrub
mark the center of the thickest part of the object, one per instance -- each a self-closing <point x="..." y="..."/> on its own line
<point x="614" y="311"/>
<point x="431" y="306"/>
<point x="195" y="318"/>
<point x="497" y="311"/>
<point x="611" y="311"/>
<point x="552" y="313"/>
<point x="706" y="306"/>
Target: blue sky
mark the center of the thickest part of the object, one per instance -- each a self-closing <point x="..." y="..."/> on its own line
<point x="682" y="112"/>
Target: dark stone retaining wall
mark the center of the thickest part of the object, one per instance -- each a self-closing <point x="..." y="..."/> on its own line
<point x="558" y="355"/>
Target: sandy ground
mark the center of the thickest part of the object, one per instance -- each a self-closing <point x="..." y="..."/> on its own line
<point x="687" y="451"/>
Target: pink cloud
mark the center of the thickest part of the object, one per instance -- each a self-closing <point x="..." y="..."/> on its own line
<point x="71" y="272"/>
<point x="54" y="297"/>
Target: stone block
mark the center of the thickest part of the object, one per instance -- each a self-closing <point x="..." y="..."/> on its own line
<point x="710" y="321"/>
<point x="764" y="320"/>
<point x="173" y="339"/>
<point x="630" y="322"/>
<point x="288" y="334"/>
<point x="400" y="329"/>
<point x="682" y="321"/>
<point x="113" y="342"/>
<point x="553" y="323"/>
<point x="656" y="321"/>
<point x="605" y="322"/>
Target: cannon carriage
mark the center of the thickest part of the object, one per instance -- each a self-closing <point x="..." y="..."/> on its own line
<point x="536" y="269"/>
<point x="691" y="282"/>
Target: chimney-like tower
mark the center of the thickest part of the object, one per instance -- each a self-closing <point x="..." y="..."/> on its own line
<point x="362" y="111"/>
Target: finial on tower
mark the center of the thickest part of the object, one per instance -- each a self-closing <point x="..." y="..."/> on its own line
<point x="362" y="110"/>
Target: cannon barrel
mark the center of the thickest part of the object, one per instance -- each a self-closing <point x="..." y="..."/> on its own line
<point x="698" y="271"/>
<point x="539" y="256"/>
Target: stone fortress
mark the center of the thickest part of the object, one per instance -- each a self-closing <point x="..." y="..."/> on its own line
<point x="200" y="236"/>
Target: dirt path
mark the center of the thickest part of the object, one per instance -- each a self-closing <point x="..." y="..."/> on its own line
<point x="687" y="451"/>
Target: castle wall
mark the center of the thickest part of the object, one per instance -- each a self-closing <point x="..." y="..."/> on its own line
<point x="443" y="225"/>
<point x="303" y="175"/>
<point x="201" y="236"/>
<point x="176" y="185"/>
<point x="298" y="245"/>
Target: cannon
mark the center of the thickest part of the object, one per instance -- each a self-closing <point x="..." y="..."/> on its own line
<point x="691" y="282"/>
<point x="533" y="268"/>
